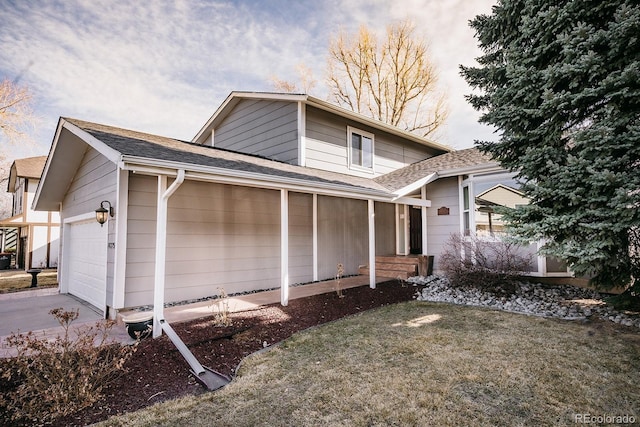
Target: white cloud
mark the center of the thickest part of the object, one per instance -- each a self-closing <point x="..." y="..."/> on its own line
<point x="164" y="66"/>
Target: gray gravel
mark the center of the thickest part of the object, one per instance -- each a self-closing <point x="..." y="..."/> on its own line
<point x="562" y="302"/>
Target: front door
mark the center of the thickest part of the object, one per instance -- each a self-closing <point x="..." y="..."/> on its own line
<point x="415" y="230"/>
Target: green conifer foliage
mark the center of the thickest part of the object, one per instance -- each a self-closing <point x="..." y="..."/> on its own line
<point x="560" y="80"/>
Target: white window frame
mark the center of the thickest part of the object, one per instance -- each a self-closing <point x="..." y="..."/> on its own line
<point x="362" y="133"/>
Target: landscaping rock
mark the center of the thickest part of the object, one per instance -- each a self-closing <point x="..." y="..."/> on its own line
<point x="562" y="302"/>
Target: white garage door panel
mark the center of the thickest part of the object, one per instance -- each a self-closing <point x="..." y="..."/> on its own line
<point x="87" y="264"/>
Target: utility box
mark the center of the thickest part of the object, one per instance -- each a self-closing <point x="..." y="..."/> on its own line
<point x="5" y="260"/>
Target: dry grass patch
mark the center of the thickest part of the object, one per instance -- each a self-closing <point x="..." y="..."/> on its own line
<point x="425" y="364"/>
<point x="20" y="281"/>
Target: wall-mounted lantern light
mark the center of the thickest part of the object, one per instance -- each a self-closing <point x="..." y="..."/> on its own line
<point x="101" y="213"/>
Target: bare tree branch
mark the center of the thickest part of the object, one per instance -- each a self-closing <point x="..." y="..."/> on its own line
<point x="392" y="81"/>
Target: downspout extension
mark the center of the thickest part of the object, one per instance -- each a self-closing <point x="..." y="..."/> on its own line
<point x="209" y="378"/>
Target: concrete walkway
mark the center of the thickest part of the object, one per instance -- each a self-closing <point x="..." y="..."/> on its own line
<point x="29" y="310"/>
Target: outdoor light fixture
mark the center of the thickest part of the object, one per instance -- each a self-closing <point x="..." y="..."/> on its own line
<point x="101" y="213"/>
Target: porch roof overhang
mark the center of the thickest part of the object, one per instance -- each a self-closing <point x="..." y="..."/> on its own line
<point x="155" y="155"/>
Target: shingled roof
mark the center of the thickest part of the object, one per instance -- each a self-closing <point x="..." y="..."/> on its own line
<point x="414" y="172"/>
<point x="30" y="167"/>
<point x="143" y="145"/>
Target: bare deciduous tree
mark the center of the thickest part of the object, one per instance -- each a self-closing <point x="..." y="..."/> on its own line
<point x="15" y="116"/>
<point x="391" y="80"/>
<point x="306" y="81"/>
<point x="15" y="109"/>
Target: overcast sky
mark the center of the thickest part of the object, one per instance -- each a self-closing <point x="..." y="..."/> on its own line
<point x="164" y="67"/>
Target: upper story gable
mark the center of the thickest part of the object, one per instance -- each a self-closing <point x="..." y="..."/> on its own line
<point x="306" y="131"/>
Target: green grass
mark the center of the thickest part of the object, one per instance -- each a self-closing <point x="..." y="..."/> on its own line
<point x="15" y="281"/>
<point x="420" y="364"/>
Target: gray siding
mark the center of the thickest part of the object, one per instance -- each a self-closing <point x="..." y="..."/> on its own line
<point x="265" y="128"/>
<point x="385" y="228"/>
<point x="218" y="236"/>
<point x="326" y="146"/>
<point x="343" y="235"/>
<point x="300" y="238"/>
<point x="94" y="182"/>
<point x="442" y="193"/>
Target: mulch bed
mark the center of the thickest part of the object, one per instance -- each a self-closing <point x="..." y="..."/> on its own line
<point x="157" y="372"/>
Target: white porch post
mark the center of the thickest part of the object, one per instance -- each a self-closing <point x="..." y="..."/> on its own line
<point x="161" y="248"/>
<point x="284" y="247"/>
<point x="372" y="244"/>
<point x="423" y="196"/>
<point x="315" y="237"/>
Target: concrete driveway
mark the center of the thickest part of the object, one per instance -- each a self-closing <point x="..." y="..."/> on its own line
<point x="29" y="311"/>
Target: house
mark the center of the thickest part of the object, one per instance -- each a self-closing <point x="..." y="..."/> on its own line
<point x="275" y="189"/>
<point x="37" y="232"/>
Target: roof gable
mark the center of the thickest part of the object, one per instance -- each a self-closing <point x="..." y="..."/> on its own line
<point x="235" y="97"/>
<point x="30" y="168"/>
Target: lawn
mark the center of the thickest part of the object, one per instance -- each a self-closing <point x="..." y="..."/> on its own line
<point x="18" y="280"/>
<point x="424" y="363"/>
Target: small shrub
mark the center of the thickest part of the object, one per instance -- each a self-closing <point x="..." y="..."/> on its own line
<point x="493" y="265"/>
<point x="52" y="378"/>
<point x="339" y="275"/>
<point x="220" y="309"/>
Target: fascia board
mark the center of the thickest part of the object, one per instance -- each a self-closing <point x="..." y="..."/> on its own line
<point x="485" y="167"/>
<point x="327" y="106"/>
<point x="45" y="170"/>
<point x="93" y="142"/>
<point x="154" y="167"/>
<point x="415" y="185"/>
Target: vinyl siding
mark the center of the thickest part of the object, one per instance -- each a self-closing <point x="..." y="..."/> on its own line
<point x="94" y="182"/>
<point x="326" y="146"/>
<point x="442" y="193"/>
<point x="343" y="235"/>
<point x="264" y="128"/>
<point x="218" y="236"/>
<point x="385" y="228"/>
<point x="300" y="238"/>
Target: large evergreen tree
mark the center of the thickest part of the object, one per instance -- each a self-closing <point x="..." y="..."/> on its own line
<point x="560" y="80"/>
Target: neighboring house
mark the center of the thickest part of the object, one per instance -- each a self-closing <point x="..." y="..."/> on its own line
<point x="275" y="189"/>
<point x="488" y="222"/>
<point x="37" y="232"/>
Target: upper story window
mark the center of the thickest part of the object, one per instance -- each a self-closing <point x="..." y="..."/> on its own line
<point x="360" y="149"/>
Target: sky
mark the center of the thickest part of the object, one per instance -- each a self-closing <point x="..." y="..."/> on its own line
<point x="163" y="67"/>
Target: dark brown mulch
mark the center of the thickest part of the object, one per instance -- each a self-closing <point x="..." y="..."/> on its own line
<point x="157" y="372"/>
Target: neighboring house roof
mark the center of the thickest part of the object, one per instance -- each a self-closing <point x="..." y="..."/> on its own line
<point x="30" y="168"/>
<point x="235" y="97"/>
<point x="413" y="176"/>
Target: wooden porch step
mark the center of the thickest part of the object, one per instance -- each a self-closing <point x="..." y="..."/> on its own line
<point x="397" y="259"/>
<point x="392" y="274"/>
<point x="400" y="267"/>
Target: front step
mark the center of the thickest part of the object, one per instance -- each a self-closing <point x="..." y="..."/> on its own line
<point x="400" y="267"/>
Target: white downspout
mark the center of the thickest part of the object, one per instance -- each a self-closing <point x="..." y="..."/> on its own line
<point x="161" y="248"/>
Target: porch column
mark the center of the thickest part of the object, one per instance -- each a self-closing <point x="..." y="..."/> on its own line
<point x="423" y="196"/>
<point x="315" y="237"/>
<point x="284" y="247"/>
<point x="372" y="245"/>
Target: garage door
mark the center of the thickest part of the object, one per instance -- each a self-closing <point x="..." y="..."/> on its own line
<point x="87" y="262"/>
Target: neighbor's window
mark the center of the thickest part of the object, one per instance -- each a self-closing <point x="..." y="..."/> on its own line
<point x="360" y="149"/>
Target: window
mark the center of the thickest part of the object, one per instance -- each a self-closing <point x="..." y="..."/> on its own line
<point x="360" y="149"/>
<point x="465" y="211"/>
